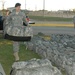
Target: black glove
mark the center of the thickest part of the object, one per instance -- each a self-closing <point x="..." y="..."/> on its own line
<point x="24" y="24"/>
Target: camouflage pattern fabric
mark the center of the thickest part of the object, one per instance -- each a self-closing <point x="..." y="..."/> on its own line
<point x="19" y="31"/>
<point x="34" y="67"/>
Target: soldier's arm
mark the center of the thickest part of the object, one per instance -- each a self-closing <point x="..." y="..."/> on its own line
<point x="24" y="19"/>
<point x="8" y="19"/>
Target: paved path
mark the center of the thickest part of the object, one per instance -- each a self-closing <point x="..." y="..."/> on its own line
<point x="54" y="30"/>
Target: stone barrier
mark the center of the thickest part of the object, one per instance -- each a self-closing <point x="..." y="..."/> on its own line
<point x="60" y="50"/>
<point x="34" y="67"/>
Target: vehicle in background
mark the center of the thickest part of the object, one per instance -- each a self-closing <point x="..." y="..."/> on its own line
<point x="27" y="18"/>
<point x="1" y="23"/>
<point x="30" y="21"/>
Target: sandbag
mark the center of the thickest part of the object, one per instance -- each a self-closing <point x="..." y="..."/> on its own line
<point x="34" y="67"/>
<point x="18" y="33"/>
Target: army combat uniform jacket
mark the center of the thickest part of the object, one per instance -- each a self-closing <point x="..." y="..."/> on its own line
<point x="17" y="19"/>
<point x="14" y="24"/>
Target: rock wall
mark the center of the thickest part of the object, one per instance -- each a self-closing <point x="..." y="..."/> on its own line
<point x="59" y="49"/>
<point x="34" y="67"/>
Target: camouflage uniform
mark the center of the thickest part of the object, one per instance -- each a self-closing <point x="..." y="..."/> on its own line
<point x="16" y="19"/>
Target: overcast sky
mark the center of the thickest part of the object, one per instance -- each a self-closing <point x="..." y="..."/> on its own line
<point x="38" y="4"/>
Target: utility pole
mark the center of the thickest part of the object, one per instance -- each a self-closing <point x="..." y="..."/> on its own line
<point x="3" y="3"/>
<point x="25" y="4"/>
<point x="43" y="8"/>
<point x="35" y="7"/>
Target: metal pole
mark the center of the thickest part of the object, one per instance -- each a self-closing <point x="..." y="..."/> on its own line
<point x="43" y="7"/>
<point x="25" y="4"/>
<point x="3" y="3"/>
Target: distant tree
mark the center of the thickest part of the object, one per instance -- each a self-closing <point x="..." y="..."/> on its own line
<point x="73" y="10"/>
<point x="3" y="12"/>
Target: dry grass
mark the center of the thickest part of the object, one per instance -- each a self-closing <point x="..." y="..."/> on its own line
<point x="54" y="25"/>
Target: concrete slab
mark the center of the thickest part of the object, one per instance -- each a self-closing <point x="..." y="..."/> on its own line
<point x="1" y="70"/>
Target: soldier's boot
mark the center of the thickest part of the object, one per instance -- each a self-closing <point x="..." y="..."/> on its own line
<point x="16" y="56"/>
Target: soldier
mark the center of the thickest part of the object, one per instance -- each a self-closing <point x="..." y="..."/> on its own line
<point x="16" y="18"/>
<point x="5" y="17"/>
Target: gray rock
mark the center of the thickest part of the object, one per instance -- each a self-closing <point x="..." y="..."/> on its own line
<point x="59" y="50"/>
<point x="34" y="67"/>
<point x="2" y="70"/>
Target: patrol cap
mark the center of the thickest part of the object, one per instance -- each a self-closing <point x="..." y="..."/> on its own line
<point x="17" y="4"/>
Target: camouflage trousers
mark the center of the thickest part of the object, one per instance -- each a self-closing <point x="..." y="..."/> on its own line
<point x="16" y="46"/>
